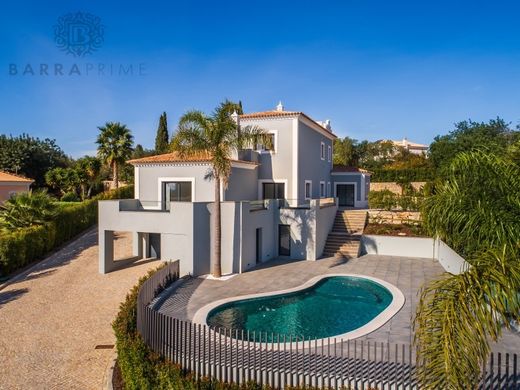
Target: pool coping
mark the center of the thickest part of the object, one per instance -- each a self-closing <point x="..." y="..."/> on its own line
<point x="398" y="300"/>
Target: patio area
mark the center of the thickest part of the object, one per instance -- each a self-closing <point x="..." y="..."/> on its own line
<point x="406" y="273"/>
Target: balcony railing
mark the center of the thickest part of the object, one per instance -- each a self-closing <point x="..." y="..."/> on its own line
<point x="142" y="205"/>
<point x="256" y="205"/>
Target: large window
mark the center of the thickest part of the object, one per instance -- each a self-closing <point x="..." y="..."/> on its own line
<point x="273" y="190"/>
<point x="179" y="191"/>
<point x="322" y="189"/>
<point x="322" y="151"/>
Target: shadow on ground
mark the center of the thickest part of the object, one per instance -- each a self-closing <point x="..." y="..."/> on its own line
<point x="9" y="296"/>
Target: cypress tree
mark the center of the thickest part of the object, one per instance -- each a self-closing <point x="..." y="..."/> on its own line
<point x="161" y="139"/>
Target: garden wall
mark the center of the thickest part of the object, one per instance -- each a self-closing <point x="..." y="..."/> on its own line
<point x="414" y="247"/>
<point x="394" y="187"/>
<point x="393" y="217"/>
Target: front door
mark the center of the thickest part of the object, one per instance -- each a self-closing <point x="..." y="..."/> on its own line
<point x="284" y="240"/>
<point x="345" y="194"/>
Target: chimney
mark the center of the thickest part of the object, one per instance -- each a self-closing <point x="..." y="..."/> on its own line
<point x="279" y="107"/>
<point x="327" y="125"/>
<point x="235" y="117"/>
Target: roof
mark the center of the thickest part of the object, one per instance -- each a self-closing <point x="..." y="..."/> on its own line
<point x="11" y="177"/>
<point x="348" y="169"/>
<point x="174" y="157"/>
<point x="283" y="114"/>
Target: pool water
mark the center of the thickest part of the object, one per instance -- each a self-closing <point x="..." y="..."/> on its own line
<point x="333" y="306"/>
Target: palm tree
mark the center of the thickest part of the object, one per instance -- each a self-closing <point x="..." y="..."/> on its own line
<point x="216" y="136"/>
<point x="114" y="146"/>
<point x="27" y="209"/>
<point x="477" y="212"/>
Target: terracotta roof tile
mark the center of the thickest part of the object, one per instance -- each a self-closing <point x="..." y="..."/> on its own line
<point x="11" y="177"/>
<point x="175" y="157"/>
<point x="283" y="114"/>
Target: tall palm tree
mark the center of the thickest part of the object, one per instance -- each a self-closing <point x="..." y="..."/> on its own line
<point x="114" y="146"/>
<point x="477" y="212"/>
<point x="216" y="136"/>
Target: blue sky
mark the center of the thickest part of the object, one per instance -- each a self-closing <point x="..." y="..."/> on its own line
<point x="376" y="69"/>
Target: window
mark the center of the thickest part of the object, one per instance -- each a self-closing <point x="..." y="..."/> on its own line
<point x="322" y="151"/>
<point x="308" y="189"/>
<point x="273" y="190"/>
<point x="329" y="193"/>
<point x="322" y="189"/>
<point x="178" y="191"/>
<point x="330" y="153"/>
<point x="268" y="148"/>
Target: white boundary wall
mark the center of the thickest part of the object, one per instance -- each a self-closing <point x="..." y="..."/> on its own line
<point x="419" y="247"/>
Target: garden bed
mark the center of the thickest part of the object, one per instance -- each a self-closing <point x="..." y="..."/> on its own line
<point x="390" y="229"/>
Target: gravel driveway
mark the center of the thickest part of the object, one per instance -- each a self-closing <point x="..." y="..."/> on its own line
<point x="53" y="316"/>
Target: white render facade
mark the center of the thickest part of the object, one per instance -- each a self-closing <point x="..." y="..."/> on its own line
<point x="277" y="202"/>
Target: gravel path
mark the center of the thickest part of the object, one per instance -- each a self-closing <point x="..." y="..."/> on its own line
<point x="53" y="316"/>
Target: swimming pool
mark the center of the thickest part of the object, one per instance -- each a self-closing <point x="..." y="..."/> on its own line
<point x="327" y="306"/>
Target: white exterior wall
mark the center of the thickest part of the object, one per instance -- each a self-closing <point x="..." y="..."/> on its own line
<point x="419" y="247"/>
<point x="149" y="176"/>
<point x="278" y="166"/>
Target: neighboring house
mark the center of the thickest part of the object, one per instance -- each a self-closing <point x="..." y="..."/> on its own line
<point x="11" y="184"/>
<point x="277" y="202"/>
<point x="412" y="147"/>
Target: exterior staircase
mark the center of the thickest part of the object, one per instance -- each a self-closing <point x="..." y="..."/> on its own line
<point x="344" y="239"/>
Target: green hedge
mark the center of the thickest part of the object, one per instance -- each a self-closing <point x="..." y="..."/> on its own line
<point x="402" y="175"/>
<point x="387" y="200"/>
<point x="22" y="247"/>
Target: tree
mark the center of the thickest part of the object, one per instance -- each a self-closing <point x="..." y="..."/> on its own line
<point x="346" y="152"/>
<point x="31" y="157"/>
<point x="88" y="169"/>
<point x="476" y="210"/>
<point x="495" y="136"/>
<point x="27" y="209"/>
<point x="114" y="147"/>
<point x="63" y="179"/>
<point x="162" y="137"/>
<point x="216" y="137"/>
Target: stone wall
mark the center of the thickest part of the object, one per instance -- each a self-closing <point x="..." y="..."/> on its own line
<point x="394" y="187"/>
<point x="393" y="217"/>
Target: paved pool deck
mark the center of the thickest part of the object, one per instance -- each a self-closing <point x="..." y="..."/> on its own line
<point x="406" y="273"/>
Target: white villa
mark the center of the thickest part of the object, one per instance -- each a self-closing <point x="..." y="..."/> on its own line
<point x="412" y="147"/>
<point x="280" y="201"/>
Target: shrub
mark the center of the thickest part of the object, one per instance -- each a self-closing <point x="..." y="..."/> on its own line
<point x="70" y="197"/>
<point x="27" y="209"/>
<point x="387" y="200"/>
<point x="402" y="175"/>
<point x="23" y="246"/>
